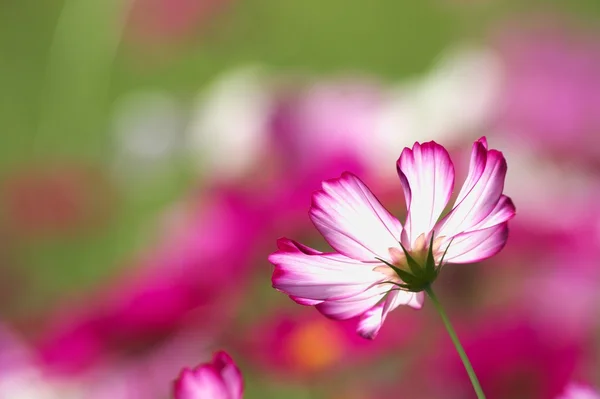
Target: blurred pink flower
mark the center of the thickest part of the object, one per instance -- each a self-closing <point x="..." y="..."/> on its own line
<point x="552" y="88"/>
<point x="513" y="358"/>
<point x="175" y="284"/>
<point x="306" y="345"/>
<point x="557" y="255"/>
<point x="541" y="254"/>
<point x="577" y="391"/>
<point x="315" y="132"/>
<point x="56" y="198"/>
<point x="290" y="139"/>
<point x="146" y="375"/>
<point x="22" y="376"/>
<point x="376" y="254"/>
<point x="156" y="21"/>
<point x="333" y="120"/>
<point x="219" y="379"/>
<point x="565" y="296"/>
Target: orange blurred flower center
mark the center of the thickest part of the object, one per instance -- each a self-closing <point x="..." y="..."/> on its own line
<point x="314" y="346"/>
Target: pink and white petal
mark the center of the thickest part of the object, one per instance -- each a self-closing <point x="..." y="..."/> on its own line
<point x="478" y="199"/>
<point x="372" y="320"/>
<point x="308" y="275"/>
<point x="427" y="176"/>
<point x="416" y="300"/>
<point x="476" y="167"/>
<point x="353" y="220"/>
<point x="503" y="212"/>
<point x="343" y="309"/>
<point x="579" y="391"/>
<point x="204" y="382"/>
<point x="477" y="245"/>
<point x="230" y="374"/>
<point x="304" y="301"/>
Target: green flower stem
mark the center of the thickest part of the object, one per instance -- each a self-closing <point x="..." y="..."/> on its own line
<point x="456" y="342"/>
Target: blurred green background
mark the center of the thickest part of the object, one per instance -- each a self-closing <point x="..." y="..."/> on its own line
<point x="63" y="64"/>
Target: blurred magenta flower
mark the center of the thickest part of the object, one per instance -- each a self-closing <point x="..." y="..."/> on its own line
<point x="167" y="21"/>
<point x="542" y="246"/>
<point x="147" y="374"/>
<point x="577" y="391"/>
<point x="552" y="88"/>
<point x="320" y="130"/>
<point x="513" y="358"/>
<point x="328" y="120"/>
<point x="376" y="255"/>
<point x="250" y="133"/>
<point x="173" y="285"/>
<point x="565" y="296"/>
<point x="23" y="375"/>
<point x="219" y="379"/>
<point x="56" y="198"/>
<point x="304" y="345"/>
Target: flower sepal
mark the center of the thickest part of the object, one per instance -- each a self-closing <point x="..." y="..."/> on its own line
<point x="420" y="275"/>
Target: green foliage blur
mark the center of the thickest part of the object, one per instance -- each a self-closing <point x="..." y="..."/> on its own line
<point x="63" y="64"/>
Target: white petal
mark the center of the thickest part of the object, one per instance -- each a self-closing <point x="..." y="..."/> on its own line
<point x="477" y="245"/>
<point x="427" y="176"/>
<point x="480" y="193"/>
<point x="309" y="276"/>
<point x="356" y="305"/>
<point x="353" y="221"/>
<point x="504" y="211"/>
<point x="372" y="320"/>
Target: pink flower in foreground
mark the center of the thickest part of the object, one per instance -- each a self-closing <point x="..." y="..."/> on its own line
<point x="219" y="379"/>
<point x="381" y="264"/>
<point x="576" y="391"/>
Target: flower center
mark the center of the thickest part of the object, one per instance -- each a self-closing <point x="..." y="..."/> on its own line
<point x="414" y="268"/>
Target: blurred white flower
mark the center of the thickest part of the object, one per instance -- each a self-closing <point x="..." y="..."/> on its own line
<point x="148" y="130"/>
<point x="453" y="102"/>
<point x="229" y="128"/>
<point x="541" y="186"/>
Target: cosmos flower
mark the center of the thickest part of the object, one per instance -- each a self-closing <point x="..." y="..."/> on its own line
<point x="219" y="379"/>
<point x="380" y="264"/>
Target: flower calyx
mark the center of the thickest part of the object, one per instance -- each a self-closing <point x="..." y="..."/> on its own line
<point x="419" y="274"/>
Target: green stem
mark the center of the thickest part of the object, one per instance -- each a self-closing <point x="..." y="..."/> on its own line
<point x="456" y="342"/>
